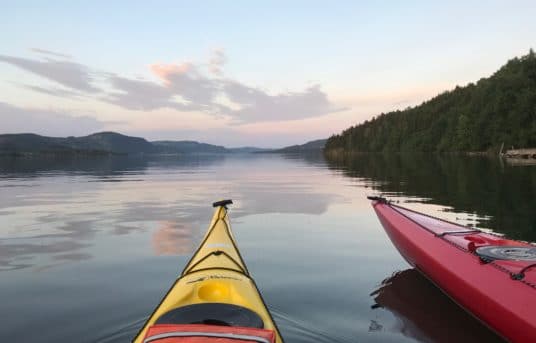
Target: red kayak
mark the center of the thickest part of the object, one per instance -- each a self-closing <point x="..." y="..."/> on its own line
<point x="491" y="277"/>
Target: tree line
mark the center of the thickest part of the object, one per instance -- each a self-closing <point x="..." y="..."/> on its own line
<point x="475" y="118"/>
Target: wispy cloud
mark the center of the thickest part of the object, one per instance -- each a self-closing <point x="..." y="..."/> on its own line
<point x="139" y="95"/>
<point x="67" y="73"/>
<point x="54" y="91"/>
<point x="184" y="87"/>
<point x="51" y="53"/>
<point x="257" y="105"/>
<point x="51" y="122"/>
<point x="188" y="82"/>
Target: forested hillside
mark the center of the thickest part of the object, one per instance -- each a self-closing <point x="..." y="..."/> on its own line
<point x="104" y="143"/>
<point x="311" y="146"/>
<point x="188" y="147"/>
<point x="97" y="143"/>
<point x="476" y="117"/>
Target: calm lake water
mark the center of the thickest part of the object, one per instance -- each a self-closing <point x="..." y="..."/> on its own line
<point x="89" y="246"/>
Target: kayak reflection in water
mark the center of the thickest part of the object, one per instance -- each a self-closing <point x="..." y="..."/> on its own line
<point x="426" y="313"/>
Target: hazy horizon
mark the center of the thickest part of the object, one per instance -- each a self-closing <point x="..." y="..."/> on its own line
<point x="161" y="140"/>
<point x="269" y="75"/>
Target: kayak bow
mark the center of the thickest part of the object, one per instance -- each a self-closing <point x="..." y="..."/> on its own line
<point x="215" y="299"/>
<point x="493" y="278"/>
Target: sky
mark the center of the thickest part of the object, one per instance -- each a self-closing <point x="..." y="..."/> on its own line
<point x="242" y="73"/>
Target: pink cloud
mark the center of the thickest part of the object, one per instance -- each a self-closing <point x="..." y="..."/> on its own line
<point x="185" y="87"/>
<point x="166" y="72"/>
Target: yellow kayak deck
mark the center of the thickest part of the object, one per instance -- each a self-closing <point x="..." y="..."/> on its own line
<point x="216" y="273"/>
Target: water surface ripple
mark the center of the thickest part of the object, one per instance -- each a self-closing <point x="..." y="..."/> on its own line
<point x="89" y="246"/>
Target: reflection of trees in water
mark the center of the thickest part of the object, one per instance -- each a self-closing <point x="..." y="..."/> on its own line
<point x="99" y="165"/>
<point x="69" y="213"/>
<point x="93" y="165"/>
<point x="172" y="238"/>
<point x="425" y="313"/>
<point x="314" y="158"/>
<point x="479" y="185"/>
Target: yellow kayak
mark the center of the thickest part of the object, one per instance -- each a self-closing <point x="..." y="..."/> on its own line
<point x="215" y="298"/>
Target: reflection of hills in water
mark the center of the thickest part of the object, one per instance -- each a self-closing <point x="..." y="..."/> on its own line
<point x="95" y="165"/>
<point x="502" y="195"/>
<point x="64" y="235"/>
<point x="425" y="313"/>
<point x="98" y="165"/>
<point x="57" y="208"/>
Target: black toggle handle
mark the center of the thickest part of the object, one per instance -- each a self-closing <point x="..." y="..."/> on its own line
<point x="377" y="198"/>
<point x="223" y="203"/>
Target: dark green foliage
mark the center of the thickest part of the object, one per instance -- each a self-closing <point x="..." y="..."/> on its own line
<point x="316" y="145"/>
<point x="187" y="147"/>
<point x="477" y="117"/>
<point x="102" y="143"/>
<point x="97" y="143"/>
<point x="114" y="142"/>
<point x="106" y="143"/>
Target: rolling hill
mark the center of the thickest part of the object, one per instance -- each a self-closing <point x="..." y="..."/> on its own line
<point x="188" y="147"/>
<point x="104" y="143"/>
<point x="97" y="143"/>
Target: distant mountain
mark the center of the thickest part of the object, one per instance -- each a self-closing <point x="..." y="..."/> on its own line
<point x="104" y="143"/>
<point x="480" y="116"/>
<point x="187" y="147"/>
<point x="247" y="150"/>
<point x="114" y="142"/>
<point x="29" y="142"/>
<point x="312" y="146"/>
<point x="97" y="143"/>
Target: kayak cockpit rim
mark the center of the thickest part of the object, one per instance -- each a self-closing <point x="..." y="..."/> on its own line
<point x="206" y="334"/>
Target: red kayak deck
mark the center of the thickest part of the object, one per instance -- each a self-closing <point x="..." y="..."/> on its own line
<point x="500" y="292"/>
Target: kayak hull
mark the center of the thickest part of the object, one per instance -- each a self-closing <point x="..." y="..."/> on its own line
<point x="216" y="274"/>
<point x="445" y="253"/>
